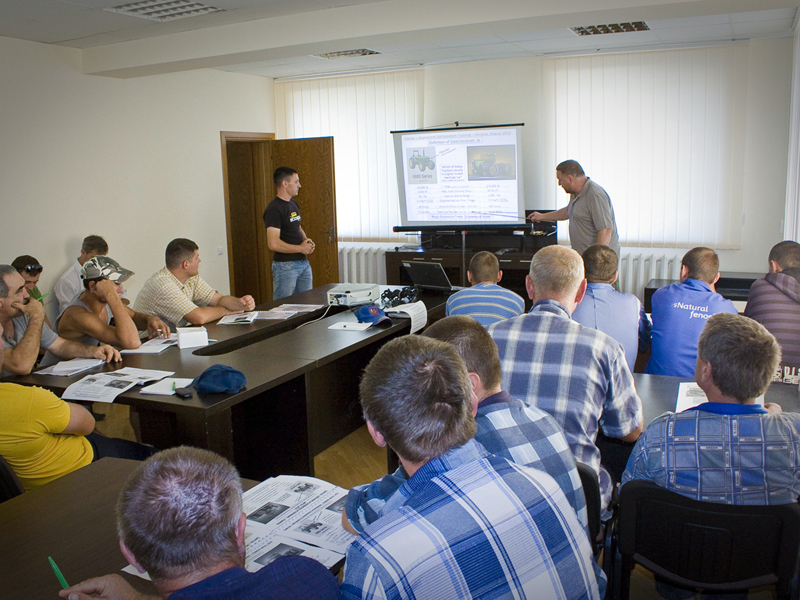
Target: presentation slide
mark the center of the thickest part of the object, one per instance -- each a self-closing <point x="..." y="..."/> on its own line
<point x="462" y="176"/>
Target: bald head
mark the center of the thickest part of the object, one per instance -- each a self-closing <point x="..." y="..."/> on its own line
<point x="556" y="273"/>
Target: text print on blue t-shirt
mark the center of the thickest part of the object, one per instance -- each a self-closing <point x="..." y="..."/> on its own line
<point x="697" y="312"/>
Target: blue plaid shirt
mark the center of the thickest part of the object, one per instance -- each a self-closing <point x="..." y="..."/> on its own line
<point x="506" y="427"/>
<point x="577" y="374"/>
<point x="726" y="453"/>
<point x="473" y="525"/>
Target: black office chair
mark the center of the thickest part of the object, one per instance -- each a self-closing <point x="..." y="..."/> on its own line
<point x="591" y="491"/>
<point x="10" y="486"/>
<point x="703" y="545"/>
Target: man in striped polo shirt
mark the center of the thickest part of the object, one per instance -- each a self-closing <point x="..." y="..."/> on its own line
<point x="774" y="301"/>
<point x="485" y="301"/>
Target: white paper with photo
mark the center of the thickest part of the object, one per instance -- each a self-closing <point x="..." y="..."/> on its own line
<point x="323" y="526"/>
<point x="278" y="501"/>
<point x="142" y="376"/>
<point x="101" y="387"/>
<point x="154" y="346"/>
<point x="262" y="551"/>
<point x="690" y="395"/>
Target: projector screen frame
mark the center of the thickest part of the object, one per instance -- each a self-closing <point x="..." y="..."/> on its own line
<point x="425" y="160"/>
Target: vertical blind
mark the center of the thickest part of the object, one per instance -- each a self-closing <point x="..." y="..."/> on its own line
<point x="662" y="132"/>
<point x="359" y="112"/>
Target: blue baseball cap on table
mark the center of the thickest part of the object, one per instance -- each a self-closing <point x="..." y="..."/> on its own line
<point x="218" y="379"/>
<point x="371" y="313"/>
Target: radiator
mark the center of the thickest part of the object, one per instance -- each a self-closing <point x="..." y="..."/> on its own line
<point x="363" y="263"/>
<point x="637" y="268"/>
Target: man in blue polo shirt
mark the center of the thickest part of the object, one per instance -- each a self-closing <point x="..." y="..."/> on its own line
<point x="619" y="315"/>
<point x="680" y="310"/>
<point x="728" y="450"/>
<point x="485" y="301"/>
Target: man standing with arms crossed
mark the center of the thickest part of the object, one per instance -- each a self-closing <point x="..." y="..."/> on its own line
<point x="291" y="272"/>
<point x="591" y="216"/>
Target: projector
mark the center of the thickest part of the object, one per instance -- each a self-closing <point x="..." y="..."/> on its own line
<point x="351" y="294"/>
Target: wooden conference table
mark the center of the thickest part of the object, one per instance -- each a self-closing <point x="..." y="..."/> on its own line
<point x="301" y="395"/>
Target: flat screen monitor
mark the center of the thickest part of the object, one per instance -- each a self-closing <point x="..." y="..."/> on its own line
<point x="460" y="176"/>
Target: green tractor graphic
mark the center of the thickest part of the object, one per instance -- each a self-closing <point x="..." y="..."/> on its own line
<point x="487" y="167"/>
<point x="421" y="161"/>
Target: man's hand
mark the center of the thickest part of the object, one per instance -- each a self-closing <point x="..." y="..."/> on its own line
<point x="107" y="353"/>
<point x="109" y="587"/>
<point x="307" y="247"/>
<point x="106" y="289"/>
<point x="773" y="408"/>
<point x="156" y="328"/>
<point x="536" y="217"/>
<point x="32" y="309"/>
<point x="247" y="303"/>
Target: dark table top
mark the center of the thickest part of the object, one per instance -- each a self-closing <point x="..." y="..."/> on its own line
<point x="72" y="520"/>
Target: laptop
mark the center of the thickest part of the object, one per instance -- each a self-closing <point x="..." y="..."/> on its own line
<point x="430" y="276"/>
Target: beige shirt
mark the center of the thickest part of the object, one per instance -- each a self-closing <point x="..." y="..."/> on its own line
<point x="166" y="297"/>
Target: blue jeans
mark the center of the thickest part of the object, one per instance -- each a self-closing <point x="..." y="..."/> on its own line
<point x="290" y="277"/>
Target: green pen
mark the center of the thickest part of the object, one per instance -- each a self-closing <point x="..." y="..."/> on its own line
<point x="57" y="571"/>
<point x="174" y="387"/>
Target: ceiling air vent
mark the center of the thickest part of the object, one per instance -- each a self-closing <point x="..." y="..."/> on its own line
<point x="347" y="53"/>
<point x="611" y="28"/>
<point x="161" y="11"/>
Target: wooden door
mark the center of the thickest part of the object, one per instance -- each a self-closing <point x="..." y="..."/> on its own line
<point x="312" y="158"/>
<point x="248" y="160"/>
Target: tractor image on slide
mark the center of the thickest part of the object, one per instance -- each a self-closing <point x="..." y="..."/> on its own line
<point x="421" y="161"/>
<point x="487" y="167"/>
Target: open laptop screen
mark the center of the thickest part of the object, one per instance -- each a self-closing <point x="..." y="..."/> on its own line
<point x="428" y="276"/>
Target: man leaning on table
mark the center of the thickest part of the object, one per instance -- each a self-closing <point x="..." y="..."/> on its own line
<point x="88" y="318"/>
<point x="728" y="450"/>
<point x="43" y="438"/>
<point x="180" y="519"/>
<point x="178" y="295"/>
<point x="25" y="331"/>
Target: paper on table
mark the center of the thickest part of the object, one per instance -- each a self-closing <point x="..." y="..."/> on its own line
<point x="164" y="387"/>
<point x="299" y="307"/>
<point x="275" y="314"/>
<point x="142" y="376"/>
<point x="350" y="326"/>
<point x="690" y="395"/>
<point x="91" y="363"/>
<point x="76" y="363"/>
<point x="416" y="310"/>
<point x="102" y="387"/>
<point x="240" y="319"/>
<point x="154" y="346"/>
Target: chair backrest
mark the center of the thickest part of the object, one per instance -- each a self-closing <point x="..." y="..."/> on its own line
<point x="10" y="485"/>
<point x="715" y="547"/>
<point x="591" y="491"/>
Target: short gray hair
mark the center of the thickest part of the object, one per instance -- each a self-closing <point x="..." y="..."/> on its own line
<point x="4" y="271"/>
<point x="557" y="270"/>
<point x="179" y="510"/>
<point x="743" y="355"/>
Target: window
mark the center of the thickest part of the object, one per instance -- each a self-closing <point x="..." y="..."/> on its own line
<point x="359" y="112"/>
<point x="662" y="132"/>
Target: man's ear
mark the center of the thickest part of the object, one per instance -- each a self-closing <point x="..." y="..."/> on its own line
<point x="241" y="525"/>
<point x="475" y="380"/>
<point x="130" y="557"/>
<point x="703" y="371"/>
<point x="469" y="277"/>
<point x="581" y="292"/>
<point x="377" y="437"/>
<point x="616" y="276"/>
<point x="716" y="279"/>
<point x="499" y="275"/>
<point x="530" y="289"/>
<point x="774" y="267"/>
<point x="684" y="273"/>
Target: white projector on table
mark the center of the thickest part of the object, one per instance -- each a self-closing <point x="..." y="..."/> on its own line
<point x="350" y="294"/>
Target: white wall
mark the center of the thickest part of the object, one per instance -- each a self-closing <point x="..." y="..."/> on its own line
<point x="137" y="161"/>
<point x="510" y="91"/>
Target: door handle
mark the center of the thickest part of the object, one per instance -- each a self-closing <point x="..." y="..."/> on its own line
<point x="331" y="235"/>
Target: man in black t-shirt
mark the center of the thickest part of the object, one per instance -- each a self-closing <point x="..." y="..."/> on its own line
<point x="291" y="273"/>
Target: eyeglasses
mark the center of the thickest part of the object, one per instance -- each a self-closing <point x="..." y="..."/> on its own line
<point x="33" y="269"/>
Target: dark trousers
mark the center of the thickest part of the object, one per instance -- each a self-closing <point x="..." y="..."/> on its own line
<point x="105" y="447"/>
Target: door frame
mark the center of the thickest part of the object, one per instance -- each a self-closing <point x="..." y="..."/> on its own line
<point x="225" y="137"/>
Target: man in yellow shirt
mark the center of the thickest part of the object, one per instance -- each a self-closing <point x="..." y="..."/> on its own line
<point x="42" y="437"/>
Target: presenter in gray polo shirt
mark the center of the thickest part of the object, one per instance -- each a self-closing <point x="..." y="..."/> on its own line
<point x="590" y="214"/>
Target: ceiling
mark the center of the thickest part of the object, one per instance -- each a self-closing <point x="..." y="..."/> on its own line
<point x="279" y="38"/>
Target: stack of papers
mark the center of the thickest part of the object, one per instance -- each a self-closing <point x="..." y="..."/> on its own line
<point x="104" y="387"/>
<point x="240" y="319"/>
<point x="275" y="314"/>
<point x="65" y="368"/>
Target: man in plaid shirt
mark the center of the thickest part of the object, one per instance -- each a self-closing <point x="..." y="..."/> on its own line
<point x="505" y="427"/>
<point x="467" y="524"/>
<point x="577" y="374"/>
